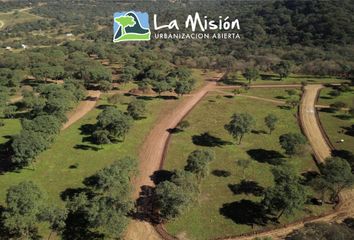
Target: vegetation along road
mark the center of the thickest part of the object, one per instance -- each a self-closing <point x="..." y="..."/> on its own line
<point x="152" y="151"/>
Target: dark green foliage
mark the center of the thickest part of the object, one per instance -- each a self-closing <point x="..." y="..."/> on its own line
<point x="287" y="195"/>
<point x="322" y="230"/>
<point x="175" y="196"/>
<point x="101" y="137"/>
<point x="136" y="109"/>
<point x="283" y="69"/>
<point x="184" y="86"/>
<point x="240" y="124"/>
<point x="26" y="146"/>
<point x="271" y="121"/>
<point x="198" y="162"/>
<point x="24" y="205"/>
<point x="291" y="141"/>
<point x="115" y="122"/>
<point x="251" y="74"/>
<point x="336" y="106"/>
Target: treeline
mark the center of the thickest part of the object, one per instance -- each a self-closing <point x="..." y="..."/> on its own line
<point x="100" y="210"/>
<point x="46" y="112"/>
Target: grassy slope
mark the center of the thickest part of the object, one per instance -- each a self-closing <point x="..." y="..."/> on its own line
<point x="203" y="220"/>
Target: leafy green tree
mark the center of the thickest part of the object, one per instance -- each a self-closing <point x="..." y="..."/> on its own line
<point x="105" y="86"/>
<point x="136" y="109"/>
<point x="292" y="102"/>
<point x="290" y="141"/>
<point x="9" y="111"/>
<point x="161" y="86"/>
<point x="101" y="137"/>
<point x="271" y="121"/>
<point x="56" y="218"/>
<point x="239" y="125"/>
<point x="46" y="124"/>
<point x="336" y="172"/>
<point x="184" y="87"/>
<point x="125" y="21"/>
<point x="337" y="106"/>
<point x="26" y="146"/>
<point x="24" y="205"/>
<point x="251" y="74"/>
<point x="183" y="125"/>
<point x="283" y="69"/>
<point x="115" y="122"/>
<point x="287" y="195"/>
<point x="198" y="162"/>
<point x="244" y="164"/>
<point x="322" y="230"/>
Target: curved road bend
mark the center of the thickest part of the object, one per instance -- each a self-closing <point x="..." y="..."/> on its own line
<point x="152" y="152"/>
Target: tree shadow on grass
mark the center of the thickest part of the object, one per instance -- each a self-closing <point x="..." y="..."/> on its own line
<point x="247" y="187"/>
<point x="245" y="212"/>
<point x="5" y="157"/>
<point x="208" y="140"/>
<point x="349" y="130"/>
<point x="69" y="193"/>
<point x="86" y="147"/>
<point x="221" y="173"/>
<point x="266" y="156"/>
<point x="87" y="129"/>
<point x="258" y="132"/>
<point x="308" y="177"/>
<point x="343" y="116"/>
<point x="161" y="176"/>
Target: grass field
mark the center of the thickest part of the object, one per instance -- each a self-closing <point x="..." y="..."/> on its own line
<point x="206" y="219"/>
<point x="268" y="78"/>
<point x="53" y="170"/>
<point x="326" y="99"/>
<point x="11" y="127"/>
<point x="16" y="17"/>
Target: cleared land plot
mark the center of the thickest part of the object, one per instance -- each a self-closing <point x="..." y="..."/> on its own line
<point x="326" y="99"/>
<point x="16" y="17"/>
<point x="72" y="158"/>
<point x="210" y="217"/>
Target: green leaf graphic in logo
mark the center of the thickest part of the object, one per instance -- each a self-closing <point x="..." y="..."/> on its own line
<point x="131" y="28"/>
<point x="125" y="21"/>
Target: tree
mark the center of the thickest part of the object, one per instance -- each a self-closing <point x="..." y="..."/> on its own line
<point x="244" y="164"/>
<point x="24" y="205"/>
<point x="161" y="86"/>
<point x="45" y="124"/>
<point x="136" y="109"/>
<point x="56" y="218"/>
<point x="115" y="122"/>
<point x="271" y="121"/>
<point x="125" y="21"/>
<point x="183" y="125"/>
<point x="184" y="86"/>
<point x="239" y="125"/>
<point x="101" y="137"/>
<point x="322" y="230"/>
<point x="292" y="102"/>
<point x="26" y="146"/>
<point x="287" y="195"/>
<point x="9" y="111"/>
<point x="336" y="172"/>
<point x="251" y="74"/>
<point x="198" y="162"/>
<point x="283" y="69"/>
<point x="105" y="86"/>
<point x="336" y="106"/>
<point x="290" y="141"/>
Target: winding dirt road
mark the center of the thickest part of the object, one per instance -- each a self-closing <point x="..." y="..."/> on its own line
<point x="153" y="149"/>
<point x="83" y="108"/>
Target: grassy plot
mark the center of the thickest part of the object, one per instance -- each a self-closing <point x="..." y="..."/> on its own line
<point x="16" y="17"/>
<point x="326" y="98"/>
<point x="220" y="212"/>
<point x="272" y="93"/>
<point x="72" y="158"/>
<point x="11" y="127"/>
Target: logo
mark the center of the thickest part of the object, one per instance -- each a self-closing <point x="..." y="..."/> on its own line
<point x="131" y="26"/>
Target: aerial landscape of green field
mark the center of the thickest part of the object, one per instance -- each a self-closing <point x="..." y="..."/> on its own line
<point x="184" y="133"/>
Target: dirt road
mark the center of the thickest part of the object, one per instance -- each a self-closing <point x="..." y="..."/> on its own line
<point x="152" y="152"/>
<point x="83" y="108"/>
<point x="310" y="125"/>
